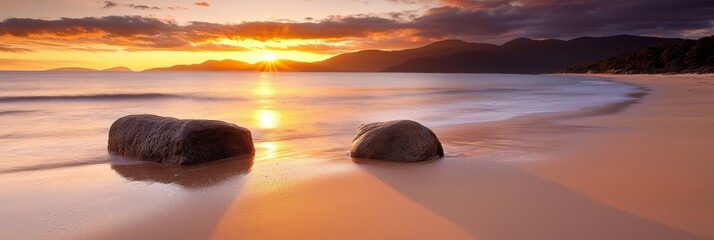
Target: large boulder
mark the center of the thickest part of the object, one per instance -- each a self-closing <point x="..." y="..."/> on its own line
<point x="401" y="141"/>
<point x="177" y="141"/>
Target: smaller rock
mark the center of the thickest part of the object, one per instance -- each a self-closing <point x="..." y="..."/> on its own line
<point x="400" y="140"/>
<point x="177" y="141"/>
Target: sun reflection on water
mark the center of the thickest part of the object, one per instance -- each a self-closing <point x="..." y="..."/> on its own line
<point x="270" y="149"/>
<point x="266" y="115"/>
<point x="265" y="86"/>
<point x="267" y="119"/>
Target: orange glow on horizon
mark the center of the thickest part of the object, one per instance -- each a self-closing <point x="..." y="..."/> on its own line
<point x="269" y="57"/>
<point x="55" y="53"/>
<point x="44" y="59"/>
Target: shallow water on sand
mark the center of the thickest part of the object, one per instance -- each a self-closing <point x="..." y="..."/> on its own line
<point x="57" y="179"/>
<point x="61" y="119"/>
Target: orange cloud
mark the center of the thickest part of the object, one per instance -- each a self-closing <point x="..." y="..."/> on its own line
<point x="150" y="33"/>
<point x="202" y="4"/>
<point x="315" y="48"/>
<point x="208" y="47"/>
<point x="6" y="48"/>
<point x="491" y="20"/>
<point x="111" y="4"/>
<point x="177" y="7"/>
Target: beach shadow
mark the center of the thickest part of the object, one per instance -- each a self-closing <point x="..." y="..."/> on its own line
<point x="188" y="177"/>
<point x="192" y="212"/>
<point x="493" y="200"/>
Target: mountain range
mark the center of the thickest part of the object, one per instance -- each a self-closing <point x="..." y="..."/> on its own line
<point x="233" y="65"/>
<point x="688" y="56"/>
<point x="529" y="56"/>
<point x="79" y="69"/>
<point x="520" y="55"/>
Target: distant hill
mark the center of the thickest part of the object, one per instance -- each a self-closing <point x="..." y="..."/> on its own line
<point x="210" y="65"/>
<point x="289" y="66"/>
<point x="118" y="69"/>
<point x="517" y="56"/>
<point x="529" y="56"/>
<point x="233" y="65"/>
<point x="72" y="69"/>
<point x="688" y="56"/>
<point x="81" y="69"/>
<point x="377" y="60"/>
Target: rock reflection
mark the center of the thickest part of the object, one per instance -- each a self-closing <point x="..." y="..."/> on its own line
<point x="188" y="177"/>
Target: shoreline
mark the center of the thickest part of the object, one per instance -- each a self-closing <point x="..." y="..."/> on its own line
<point x="479" y="194"/>
<point x="655" y="159"/>
<point x="500" y="195"/>
<point x="566" y="175"/>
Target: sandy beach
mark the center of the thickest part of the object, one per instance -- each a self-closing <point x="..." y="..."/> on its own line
<point x="357" y="120"/>
<point x="637" y="172"/>
<point x="654" y="160"/>
<point x="639" y="169"/>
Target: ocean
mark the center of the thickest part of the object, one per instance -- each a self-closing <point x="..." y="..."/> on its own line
<point x="57" y="180"/>
<point x="54" y="120"/>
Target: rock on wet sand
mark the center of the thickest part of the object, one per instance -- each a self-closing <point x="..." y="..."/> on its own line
<point x="177" y="141"/>
<point x="400" y="140"/>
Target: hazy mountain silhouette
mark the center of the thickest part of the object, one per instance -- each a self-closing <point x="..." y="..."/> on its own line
<point x="81" y="69"/>
<point x="72" y="69"/>
<point x="289" y="66"/>
<point x="520" y="55"/>
<point x="377" y="60"/>
<point x="362" y="61"/>
<point x="118" y="69"/>
<point x="529" y="56"/>
<point x="688" y="56"/>
<point x="233" y="65"/>
<point x="210" y="65"/>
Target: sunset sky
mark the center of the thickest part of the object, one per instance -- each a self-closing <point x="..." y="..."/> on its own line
<point x="140" y="34"/>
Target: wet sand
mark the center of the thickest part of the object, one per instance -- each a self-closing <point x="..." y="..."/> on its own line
<point x="640" y="169"/>
<point x="655" y="160"/>
<point x="620" y="172"/>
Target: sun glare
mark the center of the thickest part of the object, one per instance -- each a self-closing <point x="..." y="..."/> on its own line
<point x="269" y="57"/>
<point x="267" y="119"/>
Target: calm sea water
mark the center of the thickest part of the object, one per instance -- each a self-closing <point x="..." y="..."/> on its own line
<point x="50" y="120"/>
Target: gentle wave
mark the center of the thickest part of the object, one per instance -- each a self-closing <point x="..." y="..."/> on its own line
<point x="473" y="91"/>
<point x="13" y="112"/>
<point x="49" y="166"/>
<point x="105" y="97"/>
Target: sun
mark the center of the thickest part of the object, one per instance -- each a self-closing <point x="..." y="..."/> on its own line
<point x="269" y="57"/>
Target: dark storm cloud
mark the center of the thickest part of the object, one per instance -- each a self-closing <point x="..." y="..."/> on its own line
<point x="551" y="18"/>
<point x="453" y="18"/>
<point x="122" y="26"/>
<point x="147" y="27"/>
<point x="143" y="7"/>
<point x="151" y="33"/>
<point x="110" y="4"/>
<point x="496" y="20"/>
